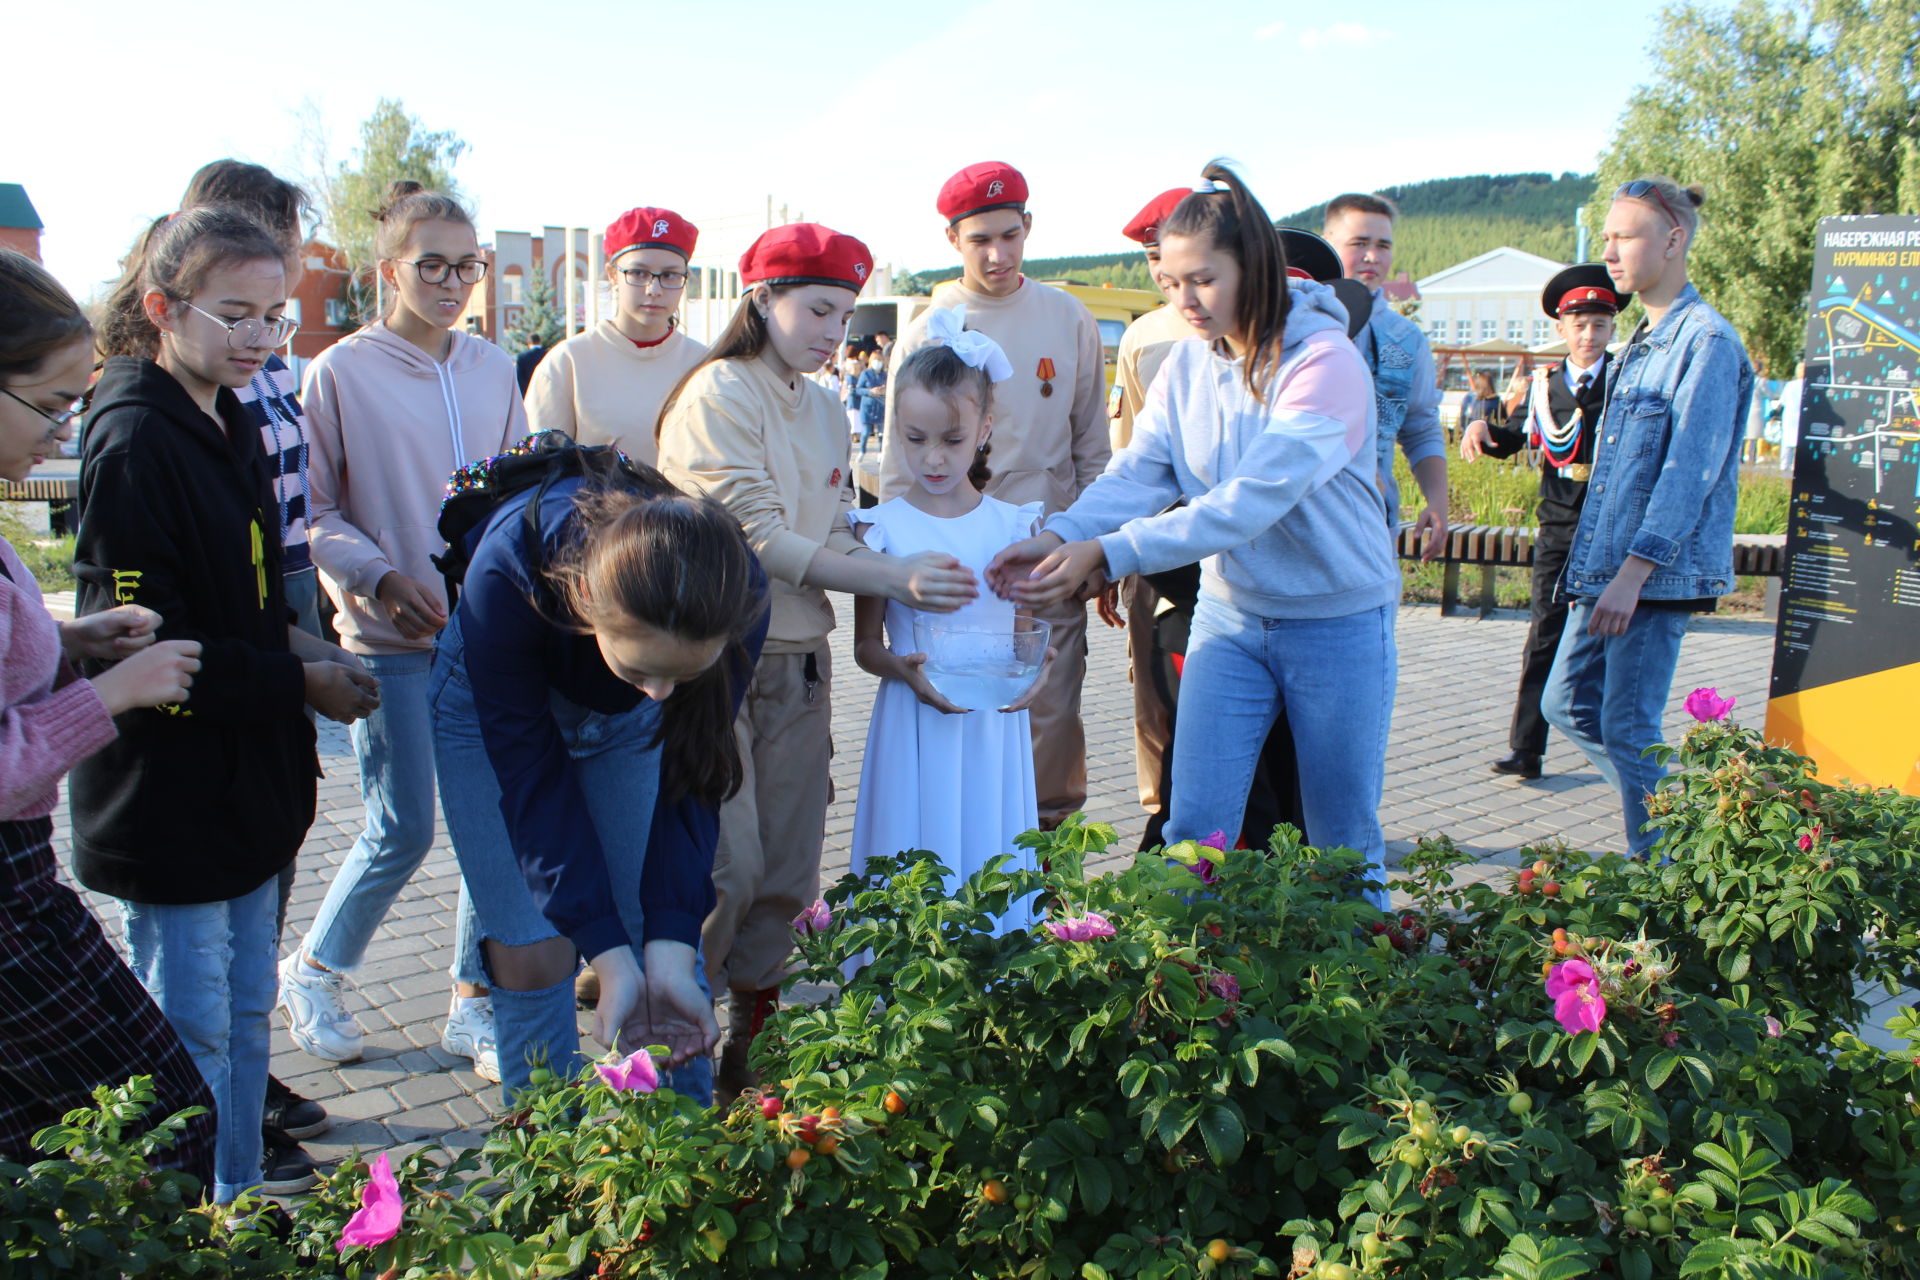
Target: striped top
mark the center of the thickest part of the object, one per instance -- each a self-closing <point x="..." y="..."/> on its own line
<point x="272" y="403"/>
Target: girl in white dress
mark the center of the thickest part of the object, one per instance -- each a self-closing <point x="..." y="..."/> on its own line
<point x="958" y="783"/>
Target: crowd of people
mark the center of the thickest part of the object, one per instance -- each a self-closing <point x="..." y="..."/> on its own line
<point x="611" y="673"/>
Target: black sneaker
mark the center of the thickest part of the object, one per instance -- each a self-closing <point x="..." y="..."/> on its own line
<point x="286" y="1169"/>
<point x="298" y="1117"/>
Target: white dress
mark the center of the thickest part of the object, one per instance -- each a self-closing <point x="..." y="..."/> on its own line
<point x="960" y="786"/>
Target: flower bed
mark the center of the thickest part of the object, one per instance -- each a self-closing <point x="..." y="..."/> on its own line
<point x="1222" y="1063"/>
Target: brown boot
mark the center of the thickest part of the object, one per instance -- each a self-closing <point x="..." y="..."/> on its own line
<point x="586" y="989"/>
<point x="747" y="1012"/>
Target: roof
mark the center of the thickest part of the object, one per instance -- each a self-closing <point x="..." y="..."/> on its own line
<point x="16" y="210"/>
<point x="1497" y="270"/>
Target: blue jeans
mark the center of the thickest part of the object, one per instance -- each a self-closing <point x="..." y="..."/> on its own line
<point x="210" y="968"/>
<point x="394" y="746"/>
<point x="619" y="776"/>
<point x="1334" y="676"/>
<point x="1607" y="694"/>
<point x="303" y="598"/>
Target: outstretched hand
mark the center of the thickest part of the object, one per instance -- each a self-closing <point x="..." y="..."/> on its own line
<point x="1060" y="575"/>
<point x="935" y="582"/>
<point x="663" y="1005"/>
<point x="1015" y="562"/>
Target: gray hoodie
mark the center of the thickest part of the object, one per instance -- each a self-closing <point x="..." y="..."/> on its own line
<point x="1279" y="498"/>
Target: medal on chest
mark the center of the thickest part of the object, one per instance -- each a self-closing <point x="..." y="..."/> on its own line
<point x="1045" y="374"/>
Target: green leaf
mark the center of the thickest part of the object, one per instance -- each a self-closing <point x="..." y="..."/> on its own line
<point x="1225" y="1135"/>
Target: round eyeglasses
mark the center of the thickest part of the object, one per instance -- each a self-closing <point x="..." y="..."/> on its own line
<point x="436" y="270"/>
<point x="247" y="332"/>
<point x="640" y="277"/>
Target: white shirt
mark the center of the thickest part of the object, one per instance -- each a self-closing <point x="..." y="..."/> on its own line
<point x="1574" y="374"/>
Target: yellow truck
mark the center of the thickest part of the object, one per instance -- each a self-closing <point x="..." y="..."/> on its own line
<point x="1113" y="310"/>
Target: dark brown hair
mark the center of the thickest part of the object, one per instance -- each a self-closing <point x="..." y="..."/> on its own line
<point x="1230" y="219"/>
<point x="940" y="370"/>
<point x="37" y="316"/>
<point x="650" y="553"/>
<point x="1361" y="202"/>
<point x="744" y="338"/>
<point x="174" y="256"/>
<point x="255" y="190"/>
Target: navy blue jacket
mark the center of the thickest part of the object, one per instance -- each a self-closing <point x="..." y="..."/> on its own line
<point x="515" y="658"/>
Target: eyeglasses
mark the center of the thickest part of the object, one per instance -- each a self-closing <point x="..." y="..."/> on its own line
<point x="436" y="270"/>
<point x="1640" y="190"/>
<point x="247" y="332"/>
<point x="640" y="277"/>
<point x="58" y="420"/>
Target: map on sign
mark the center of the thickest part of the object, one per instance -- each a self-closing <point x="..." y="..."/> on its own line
<point x="1848" y="646"/>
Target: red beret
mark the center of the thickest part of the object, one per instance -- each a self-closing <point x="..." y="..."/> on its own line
<point x="981" y="187"/>
<point x="651" y="229"/>
<point x="806" y="253"/>
<point x="1145" y="226"/>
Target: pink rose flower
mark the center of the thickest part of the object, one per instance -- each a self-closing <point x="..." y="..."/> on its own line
<point x="1808" y="839"/>
<point x="378" y="1218"/>
<point x="1706" y="704"/>
<point x="1224" y="985"/>
<point x="636" y="1073"/>
<point x="1577" y="1001"/>
<point x="1671" y="1039"/>
<point x="1218" y="840"/>
<point x="1773" y="1026"/>
<point x="817" y="918"/>
<point x="1080" y="928"/>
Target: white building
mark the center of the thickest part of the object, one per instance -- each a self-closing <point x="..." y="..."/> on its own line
<point x="1495" y="296"/>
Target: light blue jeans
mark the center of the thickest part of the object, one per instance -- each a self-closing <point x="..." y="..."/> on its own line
<point x="394" y="746"/>
<point x="1334" y="676"/>
<point x="210" y="968"/>
<point x="1608" y="694"/>
<point x="619" y="776"/>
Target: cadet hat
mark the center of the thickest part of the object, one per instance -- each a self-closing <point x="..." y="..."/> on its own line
<point x="980" y="188"/>
<point x="806" y="253"/>
<point x="1145" y="226"/>
<point x="1585" y="286"/>
<point x="650" y="228"/>
<point x="1310" y="257"/>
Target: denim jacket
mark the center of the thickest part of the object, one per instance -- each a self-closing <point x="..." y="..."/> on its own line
<point x="1406" y="400"/>
<point x="1666" y="474"/>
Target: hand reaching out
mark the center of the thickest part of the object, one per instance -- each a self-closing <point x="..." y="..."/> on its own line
<point x="111" y="634"/>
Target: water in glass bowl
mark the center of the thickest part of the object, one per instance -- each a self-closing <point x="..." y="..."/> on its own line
<point x="982" y="666"/>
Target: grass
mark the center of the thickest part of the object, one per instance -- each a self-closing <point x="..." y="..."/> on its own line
<point x="49" y="560"/>
<point x="1505" y="491"/>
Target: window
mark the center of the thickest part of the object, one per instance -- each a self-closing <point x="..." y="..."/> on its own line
<point x="1463" y="330"/>
<point x="511" y="286"/>
<point x="1541" y="331"/>
<point x="1516" y="330"/>
<point x="336" y="313"/>
<point x="1437" y="332"/>
<point x="1489" y="329"/>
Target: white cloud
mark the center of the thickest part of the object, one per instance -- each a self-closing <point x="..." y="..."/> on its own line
<point x="1347" y="35"/>
<point x="1269" y="31"/>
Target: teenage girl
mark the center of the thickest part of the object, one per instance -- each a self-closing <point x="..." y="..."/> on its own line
<point x="72" y="1017"/>
<point x="1265" y="429"/>
<point x="606" y="386"/>
<point x="394" y="409"/>
<point x="190" y="814"/>
<point x="939" y="776"/>
<point x="748" y="427"/>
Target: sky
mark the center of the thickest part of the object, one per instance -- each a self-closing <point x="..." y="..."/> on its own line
<point x="853" y="116"/>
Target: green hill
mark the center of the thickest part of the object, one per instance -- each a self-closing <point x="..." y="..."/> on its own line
<point x="1443" y="221"/>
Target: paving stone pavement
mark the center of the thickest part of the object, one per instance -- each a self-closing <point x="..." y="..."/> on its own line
<point x="1452" y="708"/>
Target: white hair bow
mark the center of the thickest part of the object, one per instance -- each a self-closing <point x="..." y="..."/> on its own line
<point x="947" y="326"/>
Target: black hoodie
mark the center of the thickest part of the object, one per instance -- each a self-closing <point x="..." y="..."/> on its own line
<point x="208" y="799"/>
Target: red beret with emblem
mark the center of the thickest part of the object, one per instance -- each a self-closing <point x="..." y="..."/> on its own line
<point x="1145" y="226"/>
<point x="1585" y="286"/>
<point x="980" y="188"/>
<point x="806" y="253"/>
<point x="651" y="229"/>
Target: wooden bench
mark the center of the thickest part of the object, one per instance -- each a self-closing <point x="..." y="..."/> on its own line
<point x="1494" y="547"/>
<point x="59" y="493"/>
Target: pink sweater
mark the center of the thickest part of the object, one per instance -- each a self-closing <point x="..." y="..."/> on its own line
<point x="48" y="719"/>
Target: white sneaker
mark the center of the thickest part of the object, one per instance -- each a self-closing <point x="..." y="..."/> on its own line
<point x="315" y="1006"/>
<point x="469" y="1033"/>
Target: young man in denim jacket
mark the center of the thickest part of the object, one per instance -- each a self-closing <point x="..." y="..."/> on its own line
<point x="1655" y="541"/>
<point x="1406" y="394"/>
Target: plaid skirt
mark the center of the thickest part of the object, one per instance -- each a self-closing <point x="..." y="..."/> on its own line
<point x="73" y="1016"/>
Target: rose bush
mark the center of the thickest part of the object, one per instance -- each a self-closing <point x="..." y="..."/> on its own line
<point x="1239" y="1068"/>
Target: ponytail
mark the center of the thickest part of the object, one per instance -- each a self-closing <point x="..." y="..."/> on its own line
<point x="744" y="338"/>
<point x="173" y="257"/>
<point x="1230" y="219"/>
<point x="37" y="316"/>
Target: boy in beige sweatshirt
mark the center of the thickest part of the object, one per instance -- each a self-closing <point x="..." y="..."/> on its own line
<point x="606" y="385"/>
<point x="1049" y="427"/>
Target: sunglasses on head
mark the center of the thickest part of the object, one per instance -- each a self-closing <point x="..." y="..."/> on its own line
<point x="1640" y="189"/>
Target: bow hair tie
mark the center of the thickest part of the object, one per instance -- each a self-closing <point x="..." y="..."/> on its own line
<point x="946" y="326"/>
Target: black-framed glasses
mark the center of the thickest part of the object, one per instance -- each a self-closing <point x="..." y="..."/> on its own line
<point x="1640" y="189"/>
<point x="640" y="277"/>
<point x="59" y="420"/>
<point x="246" y="332"/>
<point x="436" y="270"/>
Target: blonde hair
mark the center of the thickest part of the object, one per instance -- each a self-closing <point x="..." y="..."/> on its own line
<point x="1682" y="204"/>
